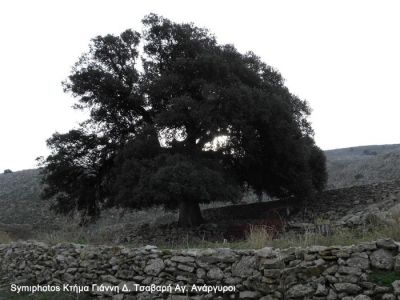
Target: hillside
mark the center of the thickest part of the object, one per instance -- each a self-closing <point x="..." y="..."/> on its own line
<point x="20" y="202"/>
<point x="19" y="192"/>
<point x="363" y="165"/>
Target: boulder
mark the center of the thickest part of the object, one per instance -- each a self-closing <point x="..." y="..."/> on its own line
<point x="244" y="267"/>
<point x="349" y="288"/>
<point x="382" y="259"/>
<point x="154" y="267"/>
<point x="300" y="290"/>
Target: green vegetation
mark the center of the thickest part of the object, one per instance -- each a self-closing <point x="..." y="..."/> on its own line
<point x="385" y="278"/>
<point x="5" y="238"/>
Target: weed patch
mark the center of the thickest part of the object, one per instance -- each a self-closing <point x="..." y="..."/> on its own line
<point x="384" y="278"/>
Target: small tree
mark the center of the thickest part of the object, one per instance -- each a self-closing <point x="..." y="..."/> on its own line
<point x="198" y="123"/>
<point x="7" y="171"/>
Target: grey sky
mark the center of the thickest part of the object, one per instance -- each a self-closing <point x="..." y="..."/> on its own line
<point x="341" y="56"/>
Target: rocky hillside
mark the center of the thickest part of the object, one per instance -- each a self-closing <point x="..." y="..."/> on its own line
<point x="20" y="198"/>
<point x="363" y="165"/>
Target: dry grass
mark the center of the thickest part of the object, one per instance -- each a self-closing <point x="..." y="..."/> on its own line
<point x="258" y="236"/>
<point x="5" y="238"/>
<point x="70" y="231"/>
<point x="104" y="231"/>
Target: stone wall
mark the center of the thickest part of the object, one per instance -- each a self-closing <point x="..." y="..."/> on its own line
<point x="345" y="202"/>
<point x="355" y="207"/>
<point x="312" y="273"/>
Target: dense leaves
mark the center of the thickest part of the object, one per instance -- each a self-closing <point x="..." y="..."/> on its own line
<point x="192" y="122"/>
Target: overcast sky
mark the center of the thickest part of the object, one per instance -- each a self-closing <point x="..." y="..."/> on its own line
<point x="343" y="57"/>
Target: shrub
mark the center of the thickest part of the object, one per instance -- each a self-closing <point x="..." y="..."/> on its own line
<point x="358" y="176"/>
<point x="385" y="278"/>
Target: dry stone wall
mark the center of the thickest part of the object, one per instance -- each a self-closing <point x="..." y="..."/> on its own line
<point x="346" y="202"/>
<point x="329" y="204"/>
<point x="312" y="273"/>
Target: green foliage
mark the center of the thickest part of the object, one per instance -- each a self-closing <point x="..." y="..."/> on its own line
<point x="358" y="176"/>
<point x="369" y="152"/>
<point x="146" y="174"/>
<point x="200" y="122"/>
<point x="385" y="278"/>
<point x="317" y="162"/>
<point x="73" y="170"/>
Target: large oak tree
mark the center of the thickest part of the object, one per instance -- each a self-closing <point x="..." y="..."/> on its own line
<point x="178" y="119"/>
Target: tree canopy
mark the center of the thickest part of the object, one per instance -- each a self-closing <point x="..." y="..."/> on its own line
<point x="178" y="119"/>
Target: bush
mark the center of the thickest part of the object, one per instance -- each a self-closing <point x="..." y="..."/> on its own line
<point x="7" y="171"/>
<point x="358" y="176"/>
<point x="385" y="278"/>
<point x="369" y="152"/>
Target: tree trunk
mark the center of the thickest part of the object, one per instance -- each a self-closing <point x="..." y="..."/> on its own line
<point x="189" y="214"/>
